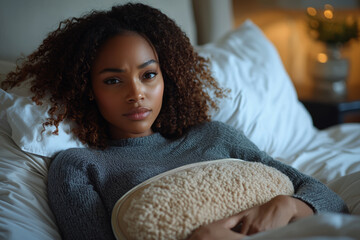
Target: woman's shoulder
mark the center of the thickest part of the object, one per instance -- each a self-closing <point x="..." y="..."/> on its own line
<point x="75" y="152"/>
<point x="216" y="126"/>
<point x="75" y="155"/>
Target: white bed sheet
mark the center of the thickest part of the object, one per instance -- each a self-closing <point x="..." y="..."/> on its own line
<point x="319" y="227"/>
<point x="332" y="153"/>
<point x="24" y="210"/>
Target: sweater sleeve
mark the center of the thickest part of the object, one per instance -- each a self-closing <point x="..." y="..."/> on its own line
<point x="78" y="209"/>
<point x="308" y="189"/>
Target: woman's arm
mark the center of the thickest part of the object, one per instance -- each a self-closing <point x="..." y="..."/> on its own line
<point x="308" y="189"/>
<point x="78" y="209"/>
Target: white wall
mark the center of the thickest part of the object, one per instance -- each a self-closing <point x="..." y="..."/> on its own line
<point x="25" y="23"/>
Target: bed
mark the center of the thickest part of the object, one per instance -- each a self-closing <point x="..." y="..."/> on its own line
<point x="262" y="103"/>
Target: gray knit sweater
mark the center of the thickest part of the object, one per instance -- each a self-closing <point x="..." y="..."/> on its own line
<point x="84" y="184"/>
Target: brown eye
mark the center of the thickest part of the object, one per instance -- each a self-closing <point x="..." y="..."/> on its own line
<point x="150" y="75"/>
<point x="110" y="81"/>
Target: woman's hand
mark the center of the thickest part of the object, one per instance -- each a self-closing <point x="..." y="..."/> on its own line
<point x="218" y="230"/>
<point x="276" y="213"/>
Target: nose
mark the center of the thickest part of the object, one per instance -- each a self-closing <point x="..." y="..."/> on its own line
<point x="135" y="92"/>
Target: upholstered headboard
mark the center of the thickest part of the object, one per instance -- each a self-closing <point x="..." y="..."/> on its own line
<point x="24" y="24"/>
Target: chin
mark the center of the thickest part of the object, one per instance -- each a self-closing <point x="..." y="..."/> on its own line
<point x="140" y="131"/>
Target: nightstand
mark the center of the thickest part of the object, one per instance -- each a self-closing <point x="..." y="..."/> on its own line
<point x="329" y="109"/>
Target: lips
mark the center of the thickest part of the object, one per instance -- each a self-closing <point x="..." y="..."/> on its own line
<point x="138" y="114"/>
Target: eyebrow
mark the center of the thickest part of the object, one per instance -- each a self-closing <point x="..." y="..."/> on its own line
<point x="119" y="70"/>
<point x="147" y="63"/>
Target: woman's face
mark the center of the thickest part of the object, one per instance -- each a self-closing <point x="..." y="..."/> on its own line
<point x="128" y="85"/>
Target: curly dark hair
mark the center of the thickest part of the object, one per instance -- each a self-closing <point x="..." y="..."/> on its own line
<point x="60" y="68"/>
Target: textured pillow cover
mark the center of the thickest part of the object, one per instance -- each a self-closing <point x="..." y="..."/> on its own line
<point x="173" y="204"/>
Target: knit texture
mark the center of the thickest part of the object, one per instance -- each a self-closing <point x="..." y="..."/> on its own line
<point x="174" y="205"/>
<point x="84" y="184"/>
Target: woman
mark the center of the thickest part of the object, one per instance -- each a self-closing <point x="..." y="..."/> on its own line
<point x="131" y="81"/>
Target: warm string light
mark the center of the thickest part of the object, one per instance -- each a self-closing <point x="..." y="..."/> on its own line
<point x="311" y="11"/>
<point x="322" y="57"/>
<point x="328" y="14"/>
<point x="328" y="11"/>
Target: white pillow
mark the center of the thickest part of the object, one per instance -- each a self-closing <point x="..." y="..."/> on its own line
<point x="22" y="119"/>
<point x="263" y="102"/>
<point x="25" y="119"/>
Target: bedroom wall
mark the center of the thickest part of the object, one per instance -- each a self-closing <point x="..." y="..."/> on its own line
<point x="25" y="23"/>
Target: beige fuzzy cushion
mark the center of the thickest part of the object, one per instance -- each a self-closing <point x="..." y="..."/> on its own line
<point x="173" y="204"/>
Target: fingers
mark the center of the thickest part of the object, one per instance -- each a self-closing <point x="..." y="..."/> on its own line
<point x="246" y="224"/>
<point x="251" y="226"/>
<point x="218" y="230"/>
<point x="232" y="221"/>
<point x="253" y="221"/>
